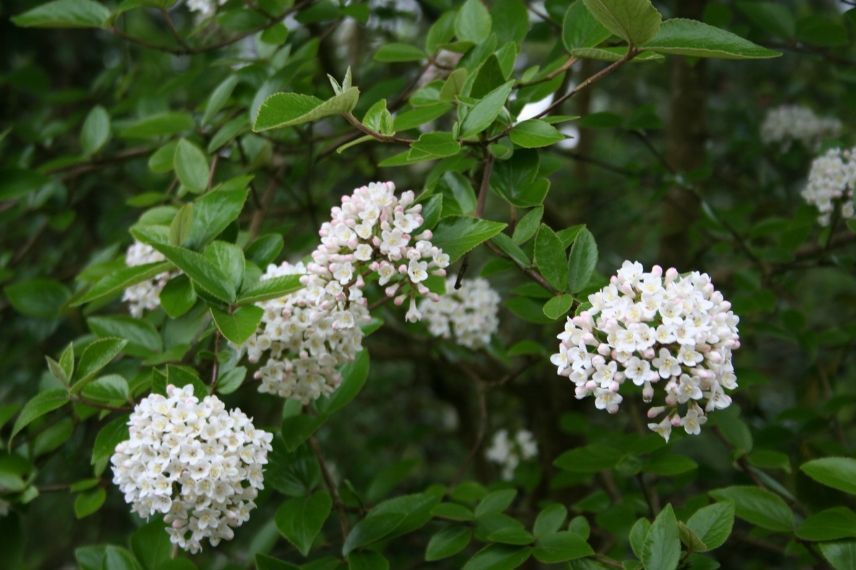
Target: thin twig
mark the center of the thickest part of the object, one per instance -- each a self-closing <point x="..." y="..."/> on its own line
<point x="341" y="511"/>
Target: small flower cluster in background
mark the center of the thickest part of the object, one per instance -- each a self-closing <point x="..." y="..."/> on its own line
<point x="831" y="182"/>
<point x="508" y="452"/>
<point x="310" y="333"/>
<point x="794" y="123"/>
<point x="658" y="330"/>
<point x="144" y="296"/>
<point x="193" y="461"/>
<point x="468" y="314"/>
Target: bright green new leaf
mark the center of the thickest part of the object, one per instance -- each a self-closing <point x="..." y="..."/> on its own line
<point x="458" y="235"/>
<point x="635" y="21"/>
<point x="535" y="133"/>
<point x="679" y="36"/>
<point x="64" y="14"/>
<point x="288" y="109"/>
<point x="486" y="110"/>
<point x="473" y="22"/>
<point x="240" y="324"/>
<point x="661" y="549"/>
<point x="96" y="130"/>
<point x="836" y="472"/>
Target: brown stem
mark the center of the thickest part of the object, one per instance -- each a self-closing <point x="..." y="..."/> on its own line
<point x="341" y="511"/>
<point x="355" y="122"/>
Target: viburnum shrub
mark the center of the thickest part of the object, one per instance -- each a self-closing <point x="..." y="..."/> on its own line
<point x="342" y="284"/>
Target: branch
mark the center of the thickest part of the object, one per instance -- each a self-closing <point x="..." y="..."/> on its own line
<point x="357" y="124"/>
<point x="341" y="512"/>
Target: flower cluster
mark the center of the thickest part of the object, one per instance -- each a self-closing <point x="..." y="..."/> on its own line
<point x="469" y="313"/>
<point x="194" y="462"/>
<point x="310" y="333"/>
<point x="205" y="8"/>
<point x="788" y="123"/>
<point x="831" y="181"/>
<point x="655" y="329"/>
<point x="144" y="296"/>
<point x="307" y="337"/>
<point x="509" y="452"/>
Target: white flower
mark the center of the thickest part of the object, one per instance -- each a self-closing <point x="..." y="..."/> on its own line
<point x="468" y="314"/>
<point x="193" y="461"/>
<point x="509" y="452"/>
<point x="144" y="296"/>
<point x="831" y="183"/>
<point x="657" y="329"/>
<point x="205" y="8"/>
<point x="788" y="123"/>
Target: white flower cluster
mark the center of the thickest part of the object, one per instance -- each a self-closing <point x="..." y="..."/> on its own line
<point x="310" y="333"/>
<point x="654" y="329"/>
<point x="508" y="452"/>
<point x="194" y="462"/>
<point x="205" y="8"/>
<point x="307" y="338"/>
<point x="831" y="182"/>
<point x="469" y="313"/>
<point x="788" y="123"/>
<point x="144" y="296"/>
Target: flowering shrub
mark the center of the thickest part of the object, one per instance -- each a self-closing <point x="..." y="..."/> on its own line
<point x="365" y="224"/>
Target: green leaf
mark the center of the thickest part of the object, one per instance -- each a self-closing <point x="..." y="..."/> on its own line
<point x="437" y="145"/>
<point x="841" y="555"/>
<point x="288" y="109"/>
<point x="392" y="517"/>
<point x="662" y="547"/>
<point x="535" y="133"/>
<point x="398" y="52"/>
<point x="157" y="125"/>
<point x="354" y="376"/>
<point x="150" y="544"/>
<point x="40" y="297"/>
<point x="108" y="389"/>
<point x="458" y="235"/>
<point x="558" y="306"/>
<point x="41" y="404"/>
<point x="240" y="324"/>
<point x="88" y="503"/>
<point x="498" y="557"/>
<point x="528" y="225"/>
<point x="758" y="506"/>
<point x="213" y="212"/>
<point x="495" y="502"/>
<point x="712" y="524"/>
<point x="143" y="338"/>
<point x="413" y="118"/>
<point x="191" y="166"/>
<point x="273" y="288"/>
<point x="549" y="520"/>
<point x="636" y="21"/>
<point x="120" y="280"/>
<point x="581" y="261"/>
<point x="205" y="275"/>
<point x="300" y="520"/>
<point x="96" y="130"/>
<point x="113" y="433"/>
<point x="237" y="126"/>
<point x="589" y="459"/>
<point x="829" y="524"/>
<point x="487" y="109"/>
<point x="178" y="296"/>
<point x="378" y="118"/>
<point x="17" y="182"/>
<point x="836" y="472"/>
<point x="473" y="22"/>
<point x="580" y="29"/>
<point x="512" y="250"/>
<point x="96" y="356"/>
<point x="367" y="560"/>
<point x="679" y="36"/>
<point x="66" y="362"/>
<point x="510" y="20"/>
<point x="265" y="249"/>
<point x="229" y="382"/>
<point x="219" y="97"/>
<point x="550" y="258"/>
<point x="638" y="533"/>
<point x="448" y="542"/>
<point x="559" y="547"/>
<point x="64" y="14"/>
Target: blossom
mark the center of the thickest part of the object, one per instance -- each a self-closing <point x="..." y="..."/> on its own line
<point x="306" y="336"/>
<point x="670" y="334"/>
<point x="193" y="461"/>
<point x="788" y="123"/>
<point x="831" y="182"/>
<point x="509" y="452"/>
<point x="205" y="8"/>
<point x="144" y="296"/>
<point x="468" y="314"/>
